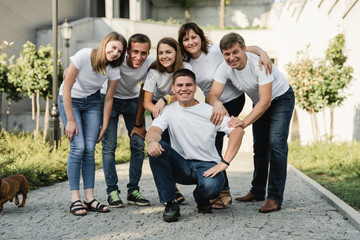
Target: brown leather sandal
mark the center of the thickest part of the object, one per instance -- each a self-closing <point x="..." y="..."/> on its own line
<point x="222" y="201"/>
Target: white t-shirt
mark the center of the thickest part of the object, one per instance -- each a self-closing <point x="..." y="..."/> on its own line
<point x="251" y="77"/>
<point x="192" y="134"/>
<point x="128" y="86"/>
<point x="158" y="83"/>
<point x="204" y="68"/>
<point x="87" y="81"/>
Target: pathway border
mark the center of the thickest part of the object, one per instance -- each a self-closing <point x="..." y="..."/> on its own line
<point x="348" y="212"/>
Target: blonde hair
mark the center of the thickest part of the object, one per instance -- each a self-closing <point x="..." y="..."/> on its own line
<point x="98" y="55"/>
<point x="178" y="64"/>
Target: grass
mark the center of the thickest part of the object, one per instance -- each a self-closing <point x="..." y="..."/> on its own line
<point x="336" y="166"/>
<point x="21" y="154"/>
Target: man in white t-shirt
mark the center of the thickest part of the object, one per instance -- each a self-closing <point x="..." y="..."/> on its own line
<point x="128" y="101"/>
<point x="192" y="157"/>
<point x="273" y="101"/>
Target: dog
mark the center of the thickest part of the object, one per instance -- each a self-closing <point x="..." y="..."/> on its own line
<point x="10" y="187"/>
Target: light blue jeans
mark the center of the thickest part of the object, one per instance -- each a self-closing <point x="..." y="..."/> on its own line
<point x="88" y="117"/>
<point x="128" y="108"/>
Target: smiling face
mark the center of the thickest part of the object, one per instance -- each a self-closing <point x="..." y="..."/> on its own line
<point x="166" y="55"/>
<point x="235" y="56"/>
<point x="137" y="54"/>
<point x="192" y="44"/>
<point x="184" y="88"/>
<point x="113" y="50"/>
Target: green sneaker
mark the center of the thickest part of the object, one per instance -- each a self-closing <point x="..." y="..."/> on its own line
<point x="114" y="200"/>
<point x="136" y="198"/>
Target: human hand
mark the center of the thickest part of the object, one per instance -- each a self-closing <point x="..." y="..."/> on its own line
<point x="236" y="122"/>
<point x="71" y="127"/>
<point x="212" y="172"/>
<point x="218" y="113"/>
<point x="265" y="61"/>
<point x="154" y="149"/>
<point x="159" y="106"/>
<point x="141" y="132"/>
<point x="101" y="134"/>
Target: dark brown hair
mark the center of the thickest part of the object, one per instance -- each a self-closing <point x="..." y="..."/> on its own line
<point x="230" y="39"/>
<point x="182" y="73"/>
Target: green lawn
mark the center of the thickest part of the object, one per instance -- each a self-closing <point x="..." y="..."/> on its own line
<point x="336" y="166"/>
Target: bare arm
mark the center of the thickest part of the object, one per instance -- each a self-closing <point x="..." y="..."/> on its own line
<point x="265" y="93"/>
<point x="148" y="105"/>
<point x="69" y="81"/>
<point x="213" y="99"/>
<point x="140" y="131"/>
<point x="235" y="139"/>
<point x="107" y="107"/>
<point x="264" y="59"/>
<point x="153" y="138"/>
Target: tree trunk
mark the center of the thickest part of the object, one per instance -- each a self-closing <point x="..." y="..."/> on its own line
<point x="33" y="111"/>
<point x="222" y="14"/>
<point x="314" y="126"/>
<point x="46" y="118"/>
<point x="324" y="120"/>
<point x="7" y="115"/>
<point x="37" y="113"/>
<point x="331" y="123"/>
<point x="0" y="111"/>
<point x="187" y="15"/>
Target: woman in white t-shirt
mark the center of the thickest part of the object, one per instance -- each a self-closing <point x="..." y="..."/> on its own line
<point x="204" y="58"/>
<point x="158" y="82"/>
<point x="83" y="115"/>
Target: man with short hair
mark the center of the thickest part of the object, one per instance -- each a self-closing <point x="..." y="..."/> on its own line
<point x="192" y="157"/>
<point x="270" y="117"/>
<point x="128" y="101"/>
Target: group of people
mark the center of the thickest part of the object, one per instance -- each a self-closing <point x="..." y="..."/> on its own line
<point x="119" y="77"/>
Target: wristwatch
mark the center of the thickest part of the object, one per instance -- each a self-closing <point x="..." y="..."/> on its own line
<point x="138" y="126"/>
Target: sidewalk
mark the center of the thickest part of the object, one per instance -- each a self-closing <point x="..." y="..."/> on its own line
<point x="305" y="214"/>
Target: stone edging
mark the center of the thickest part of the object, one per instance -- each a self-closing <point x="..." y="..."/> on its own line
<point x="344" y="209"/>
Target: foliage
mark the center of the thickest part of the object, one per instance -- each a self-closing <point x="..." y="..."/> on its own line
<point x="336" y="166"/>
<point x="187" y="4"/>
<point x="20" y="154"/>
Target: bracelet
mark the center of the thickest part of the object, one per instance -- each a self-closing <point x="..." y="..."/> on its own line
<point x="169" y="101"/>
<point x="223" y="161"/>
<point x="164" y="99"/>
<point x="138" y="126"/>
<point x="152" y="140"/>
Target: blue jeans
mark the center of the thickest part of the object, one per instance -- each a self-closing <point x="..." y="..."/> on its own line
<point x="88" y="117"/>
<point x="270" y="133"/>
<point x="128" y="108"/>
<point x="170" y="168"/>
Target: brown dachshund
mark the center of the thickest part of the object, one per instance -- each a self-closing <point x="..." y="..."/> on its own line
<point x="10" y="187"/>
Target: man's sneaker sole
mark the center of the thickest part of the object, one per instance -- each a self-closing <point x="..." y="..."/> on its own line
<point x="171" y="218"/>
<point x="138" y="203"/>
<point x="120" y="205"/>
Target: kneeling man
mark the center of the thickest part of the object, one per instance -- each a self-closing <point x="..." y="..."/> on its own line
<point x="192" y="157"/>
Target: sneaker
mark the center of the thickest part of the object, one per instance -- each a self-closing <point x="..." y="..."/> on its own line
<point x="114" y="200"/>
<point x="204" y="208"/>
<point x="172" y="212"/>
<point x="136" y="198"/>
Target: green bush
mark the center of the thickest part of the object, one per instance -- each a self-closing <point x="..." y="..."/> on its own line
<point x="20" y="154"/>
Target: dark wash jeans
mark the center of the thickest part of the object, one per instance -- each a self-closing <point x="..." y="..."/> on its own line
<point x="128" y="108"/>
<point x="270" y="133"/>
<point x="170" y="168"/>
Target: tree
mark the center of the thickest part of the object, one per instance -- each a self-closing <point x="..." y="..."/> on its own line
<point x="187" y="4"/>
<point x="337" y="76"/>
<point x="305" y="78"/>
<point x="32" y="74"/>
<point x="5" y="86"/>
<point x="223" y="4"/>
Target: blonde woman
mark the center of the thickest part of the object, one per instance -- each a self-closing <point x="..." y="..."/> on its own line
<point x="84" y="117"/>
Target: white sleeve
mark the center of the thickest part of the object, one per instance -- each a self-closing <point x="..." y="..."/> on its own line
<point x="221" y="75"/>
<point x="223" y="127"/>
<point x="113" y="73"/>
<point x="79" y="58"/>
<point x="188" y="66"/>
<point x="150" y="82"/>
<point x="162" y="120"/>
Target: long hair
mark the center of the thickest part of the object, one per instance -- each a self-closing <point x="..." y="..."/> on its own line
<point x="178" y="64"/>
<point x="184" y="29"/>
<point x="98" y="55"/>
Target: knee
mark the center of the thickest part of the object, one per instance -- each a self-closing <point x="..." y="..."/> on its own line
<point x="77" y="149"/>
<point x="108" y="145"/>
<point x="211" y="189"/>
<point x="137" y="143"/>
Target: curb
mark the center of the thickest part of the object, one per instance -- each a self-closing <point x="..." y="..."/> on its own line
<point x="344" y="209"/>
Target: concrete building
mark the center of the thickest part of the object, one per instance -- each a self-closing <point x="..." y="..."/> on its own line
<point x="287" y="27"/>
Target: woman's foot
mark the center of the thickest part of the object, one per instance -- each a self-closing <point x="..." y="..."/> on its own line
<point x="95" y="206"/>
<point x="222" y="201"/>
<point x="77" y="208"/>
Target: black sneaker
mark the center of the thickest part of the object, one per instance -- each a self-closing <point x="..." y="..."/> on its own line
<point x="114" y="200"/>
<point x="204" y="208"/>
<point x="136" y="198"/>
<point x="172" y="212"/>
